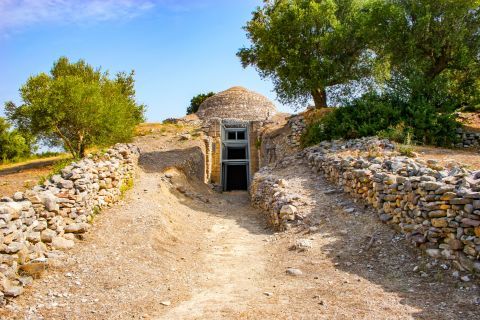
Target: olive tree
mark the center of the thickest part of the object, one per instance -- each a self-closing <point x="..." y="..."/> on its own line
<point x="307" y="46"/>
<point x="77" y="106"/>
<point x="433" y="47"/>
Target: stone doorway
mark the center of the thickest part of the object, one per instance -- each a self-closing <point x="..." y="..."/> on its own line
<point x="235" y="157"/>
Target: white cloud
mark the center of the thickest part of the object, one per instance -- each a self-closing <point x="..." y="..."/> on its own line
<point x="17" y="14"/>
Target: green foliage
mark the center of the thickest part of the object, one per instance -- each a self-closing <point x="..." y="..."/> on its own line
<point x="424" y="52"/>
<point x="412" y="121"/>
<point x="127" y="184"/>
<point x="432" y="48"/>
<point x="306" y="46"/>
<point x="56" y="169"/>
<point x="95" y="212"/>
<point x="197" y="101"/>
<point x="405" y="150"/>
<point x="13" y="144"/>
<point x="77" y="107"/>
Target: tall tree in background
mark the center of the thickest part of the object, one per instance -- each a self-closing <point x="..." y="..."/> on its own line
<point x="307" y="46"/>
<point x="197" y="101"/>
<point x="77" y="106"/>
<point x="433" y="47"/>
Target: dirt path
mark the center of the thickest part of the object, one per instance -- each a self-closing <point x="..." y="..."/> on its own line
<point x="234" y="266"/>
<point x="173" y="249"/>
<point x="157" y="255"/>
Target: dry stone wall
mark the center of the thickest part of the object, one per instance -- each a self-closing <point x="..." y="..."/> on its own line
<point x="237" y="103"/>
<point x="49" y="217"/>
<point x="297" y="127"/>
<point x="437" y="208"/>
<point x="467" y="139"/>
<point x="274" y="196"/>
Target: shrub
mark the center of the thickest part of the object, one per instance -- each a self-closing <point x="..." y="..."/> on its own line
<point x="388" y="117"/>
<point x="13" y="145"/>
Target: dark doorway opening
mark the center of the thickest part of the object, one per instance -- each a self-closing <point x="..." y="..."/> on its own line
<point x="236" y="153"/>
<point x="236" y="177"/>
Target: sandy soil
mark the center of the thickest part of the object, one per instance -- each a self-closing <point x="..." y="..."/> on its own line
<point x="21" y="180"/>
<point x="469" y="158"/>
<point x="173" y="249"/>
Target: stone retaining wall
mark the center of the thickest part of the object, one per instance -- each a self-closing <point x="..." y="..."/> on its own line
<point x="438" y="209"/>
<point x="274" y="196"/>
<point x="467" y="139"/>
<point x="49" y="217"/>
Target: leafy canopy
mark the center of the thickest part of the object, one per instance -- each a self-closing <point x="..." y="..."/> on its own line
<point x="13" y="145"/>
<point x="307" y="46"/>
<point x="197" y="101"/>
<point x="77" y="106"/>
<point x="433" y="48"/>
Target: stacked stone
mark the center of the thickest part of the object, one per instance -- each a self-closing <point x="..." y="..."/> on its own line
<point x="438" y="209"/>
<point x="467" y="139"/>
<point x="52" y="215"/>
<point x="237" y="103"/>
<point x="297" y="128"/>
<point x="271" y="195"/>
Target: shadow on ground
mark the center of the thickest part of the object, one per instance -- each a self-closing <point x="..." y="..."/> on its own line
<point x="190" y="163"/>
<point x="387" y="260"/>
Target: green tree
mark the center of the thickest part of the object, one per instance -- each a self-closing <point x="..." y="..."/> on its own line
<point x="197" y="101"/>
<point x="77" y="106"/>
<point x="433" y="48"/>
<point x="307" y="46"/>
<point x="13" y="145"/>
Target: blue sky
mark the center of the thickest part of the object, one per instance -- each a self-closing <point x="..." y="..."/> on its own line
<point x="178" y="48"/>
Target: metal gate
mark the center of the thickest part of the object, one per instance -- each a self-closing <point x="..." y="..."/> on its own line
<point x="235" y="151"/>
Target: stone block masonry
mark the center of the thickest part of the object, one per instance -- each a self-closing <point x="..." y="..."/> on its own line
<point x="49" y="217"/>
<point x="437" y="208"/>
<point x="467" y="139"/>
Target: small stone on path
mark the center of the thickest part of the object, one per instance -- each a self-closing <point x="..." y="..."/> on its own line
<point x="294" y="272"/>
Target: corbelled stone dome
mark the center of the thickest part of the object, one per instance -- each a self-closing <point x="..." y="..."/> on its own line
<point x="237" y="103"/>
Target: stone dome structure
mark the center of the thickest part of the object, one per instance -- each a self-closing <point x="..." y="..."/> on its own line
<point x="237" y="103"/>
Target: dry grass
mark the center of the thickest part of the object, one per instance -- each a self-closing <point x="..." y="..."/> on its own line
<point x="470" y="120"/>
<point x="466" y="158"/>
<point x="313" y="115"/>
<point x="23" y="180"/>
<point x="34" y="162"/>
<point x="469" y="158"/>
<point x="164" y="128"/>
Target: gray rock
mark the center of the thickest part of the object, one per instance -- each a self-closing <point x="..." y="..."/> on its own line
<point x="14" y="247"/>
<point x="77" y="228"/>
<point x="62" y="243"/>
<point x="288" y="212"/>
<point x="385" y="217"/>
<point x="294" y="272"/>
<point x="18" y="196"/>
<point x="302" y="245"/>
<point x="465" y="278"/>
<point x="47" y="235"/>
<point x="49" y="201"/>
<point x="434" y="253"/>
<point x="66" y="184"/>
<point x="13" y="291"/>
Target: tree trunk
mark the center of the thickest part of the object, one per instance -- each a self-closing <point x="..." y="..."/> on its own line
<point x="320" y="98"/>
<point x="81" y="151"/>
<point x="81" y="146"/>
